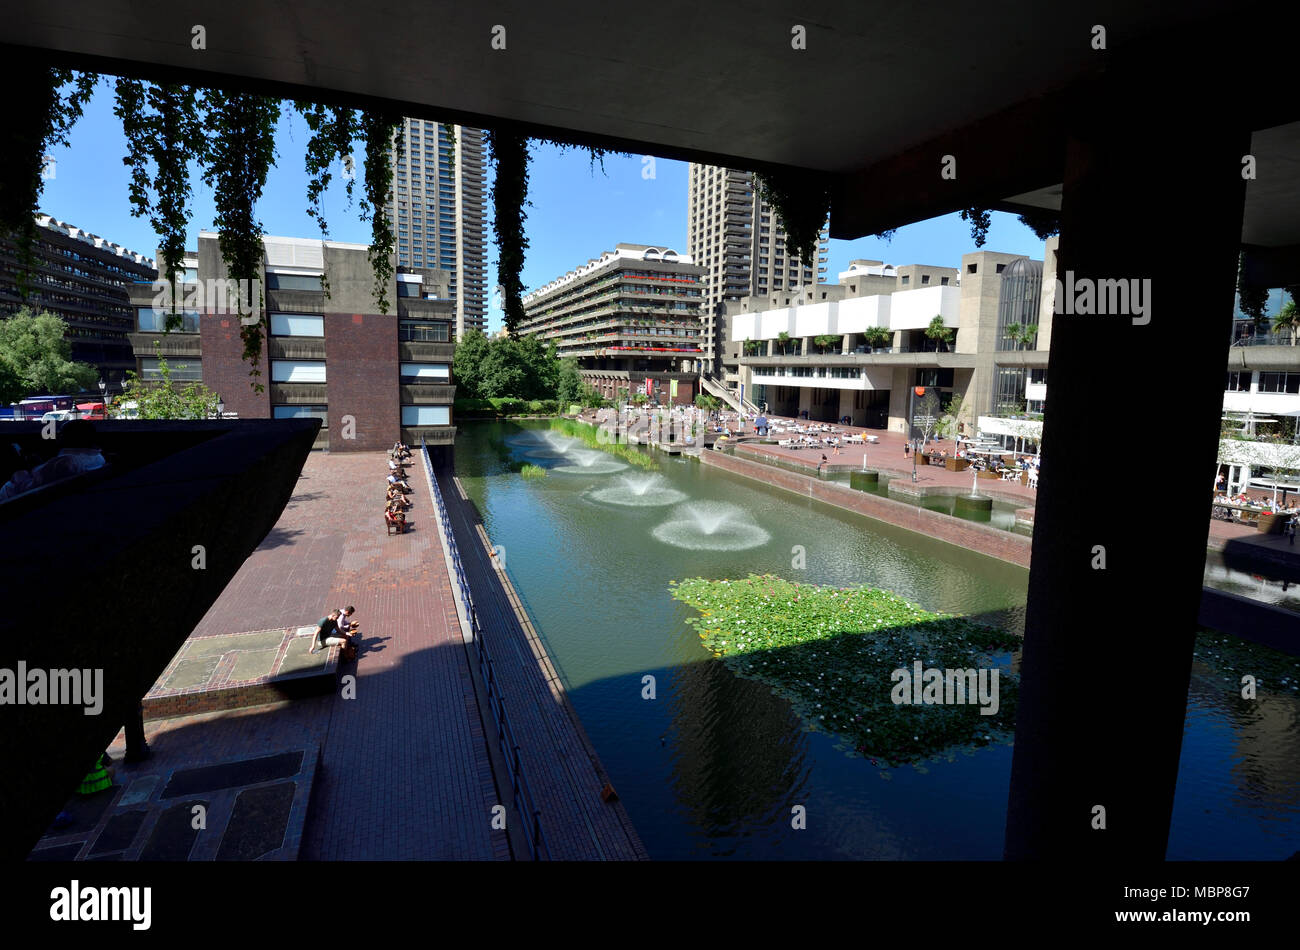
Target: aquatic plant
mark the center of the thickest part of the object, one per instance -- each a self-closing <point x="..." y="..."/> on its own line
<point x="833" y="652"/>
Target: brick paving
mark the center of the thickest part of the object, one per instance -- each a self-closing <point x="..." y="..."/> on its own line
<point x="405" y="772"/>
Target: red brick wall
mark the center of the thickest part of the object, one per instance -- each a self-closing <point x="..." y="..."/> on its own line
<point x="982" y="539"/>
<point x="362" y="380"/>
<point x="225" y="371"/>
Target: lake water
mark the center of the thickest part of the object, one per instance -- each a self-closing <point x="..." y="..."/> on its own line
<point x="713" y="766"/>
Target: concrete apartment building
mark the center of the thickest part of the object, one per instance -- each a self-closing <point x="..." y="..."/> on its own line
<point x="370" y="378"/>
<point x="631" y="317"/>
<point x="82" y="278"/>
<point x="437" y="211"/>
<point x="735" y="236"/>
<point x="873" y="385"/>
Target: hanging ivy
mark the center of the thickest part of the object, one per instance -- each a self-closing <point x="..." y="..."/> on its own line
<point x="378" y="131"/>
<point x="802" y="202"/>
<point x="333" y="130"/>
<point x="241" y="153"/>
<point x="981" y="219"/>
<point x="164" y="126"/>
<point x="1043" y="223"/>
<point x="509" y="154"/>
<point x="36" y="122"/>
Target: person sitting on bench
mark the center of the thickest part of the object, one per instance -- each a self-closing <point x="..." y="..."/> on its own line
<point x="400" y="484"/>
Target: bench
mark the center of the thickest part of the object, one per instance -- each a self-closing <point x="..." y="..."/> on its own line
<point x="394" y="526"/>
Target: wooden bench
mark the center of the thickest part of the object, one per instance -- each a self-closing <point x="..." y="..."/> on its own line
<point x="394" y="526"/>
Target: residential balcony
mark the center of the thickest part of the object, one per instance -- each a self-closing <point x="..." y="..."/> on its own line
<point x="418" y="351"/>
<point x="171" y="344"/>
<point x="295" y="348"/>
<point x="876" y="358"/>
<point x="427" y="394"/>
<point x="298" y="394"/>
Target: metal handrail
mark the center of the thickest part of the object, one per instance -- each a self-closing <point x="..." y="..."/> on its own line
<point x="521" y="793"/>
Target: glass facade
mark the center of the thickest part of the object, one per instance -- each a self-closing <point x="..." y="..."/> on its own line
<point x="1018" y="300"/>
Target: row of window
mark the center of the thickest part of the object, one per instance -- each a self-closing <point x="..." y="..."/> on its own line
<point x="313" y="371"/>
<point x="411" y="415"/>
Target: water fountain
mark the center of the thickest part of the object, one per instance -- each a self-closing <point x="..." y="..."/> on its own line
<point x="640" y="491"/>
<point x="589" y="462"/>
<point x="711" y="526"/>
<point x="974" y="506"/>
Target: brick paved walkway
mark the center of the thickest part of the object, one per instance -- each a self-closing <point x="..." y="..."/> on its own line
<point x="405" y="772"/>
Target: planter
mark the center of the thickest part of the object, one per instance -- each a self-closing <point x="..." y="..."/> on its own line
<point x="864" y="481"/>
<point x="956" y="465"/>
<point x="1272" y="524"/>
<point x="993" y="475"/>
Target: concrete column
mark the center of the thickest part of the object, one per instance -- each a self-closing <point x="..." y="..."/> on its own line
<point x="1113" y="598"/>
<point x="137" y="749"/>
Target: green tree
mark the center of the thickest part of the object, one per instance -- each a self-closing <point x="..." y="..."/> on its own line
<point x="751" y="347"/>
<point x="949" y="425"/>
<point x="877" y="336"/>
<point x="708" y="402"/>
<point x="937" y="331"/>
<point x="165" y="399"/>
<point x="784" y="339"/>
<point x="35" y="358"/>
<point x="468" y="364"/>
<point x="827" y="339"/>
<point x="568" y="389"/>
<point x="1288" y="318"/>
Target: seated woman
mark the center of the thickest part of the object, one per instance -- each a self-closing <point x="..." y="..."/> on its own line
<point x="399" y="483"/>
<point x="395" y="497"/>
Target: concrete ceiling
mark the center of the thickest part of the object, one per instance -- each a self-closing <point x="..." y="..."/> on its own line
<point x="877" y="90"/>
<point x="713" y="78"/>
<point x="1272" y="216"/>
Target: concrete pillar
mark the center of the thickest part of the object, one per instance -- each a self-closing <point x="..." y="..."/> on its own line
<point x="1107" y="649"/>
<point x="137" y="749"/>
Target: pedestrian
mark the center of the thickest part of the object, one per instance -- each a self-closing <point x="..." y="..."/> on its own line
<point x="906" y="448"/>
<point x="820" y="464"/>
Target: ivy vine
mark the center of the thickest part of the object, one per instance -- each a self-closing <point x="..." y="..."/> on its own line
<point x="449" y="133"/>
<point x="981" y="219"/>
<point x="240" y="156"/>
<point x="333" y="130"/>
<point x="378" y="131"/>
<point x="509" y="153"/>
<point x="162" y="125"/>
<point x="35" y="123"/>
<point x="802" y="202"/>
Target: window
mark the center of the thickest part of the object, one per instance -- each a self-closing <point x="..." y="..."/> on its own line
<point x="943" y="281"/>
<point x="425" y="372"/>
<point x="407" y="288"/>
<point x="302" y="412"/>
<point x="1279" y="382"/>
<point x="426" y="415"/>
<point x="1238" y="383"/>
<point x="905" y="280"/>
<point x="411" y="331"/>
<point x="293" y="324"/>
<point x="150" y="320"/>
<point x="297" y="371"/>
<point x="925" y="279"/>
<point x="187" y="371"/>
<point x="970" y="268"/>
<point x="1001" y="267"/>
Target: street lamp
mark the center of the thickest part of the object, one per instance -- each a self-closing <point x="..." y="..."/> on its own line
<point x="221" y="406"/>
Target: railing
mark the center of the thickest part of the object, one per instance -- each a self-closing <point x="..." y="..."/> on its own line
<point x="519" y="789"/>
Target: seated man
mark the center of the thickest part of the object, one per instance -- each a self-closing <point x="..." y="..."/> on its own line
<point x="399" y="483"/>
<point x="348" y="626"/>
<point x="328" y="633"/>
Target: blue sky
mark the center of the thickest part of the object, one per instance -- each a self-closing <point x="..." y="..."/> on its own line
<point x="576" y="210"/>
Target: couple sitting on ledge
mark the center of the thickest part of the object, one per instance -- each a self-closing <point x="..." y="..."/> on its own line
<point x="337" y="629"/>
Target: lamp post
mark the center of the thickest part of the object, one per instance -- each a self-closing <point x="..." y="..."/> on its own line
<point x="221" y="406"/>
<point x="103" y="395"/>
